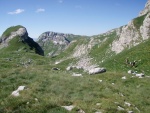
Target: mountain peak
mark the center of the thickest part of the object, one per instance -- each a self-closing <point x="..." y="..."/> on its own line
<point x="19" y="36"/>
<point x="146" y="9"/>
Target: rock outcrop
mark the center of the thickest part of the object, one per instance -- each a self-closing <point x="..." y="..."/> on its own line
<point x="56" y="38"/>
<point x="53" y="43"/>
<point x="135" y="32"/>
<point x="23" y="37"/>
<point x="146" y="9"/>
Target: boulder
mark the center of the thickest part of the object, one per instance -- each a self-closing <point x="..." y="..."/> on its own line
<point x="120" y="108"/>
<point x="76" y="75"/>
<point x="97" y="70"/>
<point x="55" y="68"/>
<point x="69" y="68"/>
<point x="130" y="71"/>
<point x="16" y="92"/>
<point x="140" y="75"/>
<point x="69" y="108"/>
<point x="124" y="77"/>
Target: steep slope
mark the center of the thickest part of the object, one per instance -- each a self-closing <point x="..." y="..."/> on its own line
<point x="135" y="32"/>
<point x="88" y="53"/>
<point x="16" y="39"/>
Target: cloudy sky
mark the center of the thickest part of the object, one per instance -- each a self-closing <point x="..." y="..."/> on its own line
<point x="81" y="17"/>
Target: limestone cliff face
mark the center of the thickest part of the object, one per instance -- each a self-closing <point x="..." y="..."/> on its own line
<point x="53" y="43"/>
<point x="145" y="28"/>
<point x="56" y="38"/>
<point x="146" y="9"/>
<point x="135" y="32"/>
<point x="22" y="33"/>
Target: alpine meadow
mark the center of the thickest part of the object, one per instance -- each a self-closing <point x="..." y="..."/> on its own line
<point x="68" y="73"/>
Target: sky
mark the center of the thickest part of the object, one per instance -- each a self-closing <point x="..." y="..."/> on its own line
<point x="79" y="17"/>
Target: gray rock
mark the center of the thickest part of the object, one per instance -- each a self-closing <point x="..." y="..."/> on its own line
<point x="129" y="35"/>
<point x="146" y="9"/>
<point x="140" y="75"/>
<point x="97" y="70"/>
<point x="23" y="34"/>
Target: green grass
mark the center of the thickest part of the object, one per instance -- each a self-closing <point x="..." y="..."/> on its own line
<point x="139" y="21"/>
<point x="54" y="89"/>
<point x="102" y="51"/>
<point x="16" y="45"/>
<point x="140" y="53"/>
<point x="48" y="90"/>
<point x="11" y="29"/>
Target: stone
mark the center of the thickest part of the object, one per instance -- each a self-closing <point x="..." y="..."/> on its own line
<point x="97" y="70"/>
<point x="120" y="108"/>
<point x="124" y="77"/>
<point x="57" y="62"/>
<point x="100" y="80"/>
<point x="55" y="68"/>
<point x="16" y="92"/>
<point x="80" y="111"/>
<point x="20" y="88"/>
<point x="76" y="75"/>
<point x="141" y="75"/>
<point x="69" y="108"/>
<point x="127" y="103"/>
<point x="113" y="83"/>
<point x="130" y="71"/>
<point x="98" y="104"/>
<point x="69" y="68"/>
<point x="130" y="112"/>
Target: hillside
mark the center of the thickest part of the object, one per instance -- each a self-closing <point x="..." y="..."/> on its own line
<point x="91" y="53"/>
<point x="66" y="73"/>
<point x="16" y="38"/>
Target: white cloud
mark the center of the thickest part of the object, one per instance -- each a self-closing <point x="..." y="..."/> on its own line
<point x="17" y="11"/>
<point x="60" y="1"/>
<point x="40" y="10"/>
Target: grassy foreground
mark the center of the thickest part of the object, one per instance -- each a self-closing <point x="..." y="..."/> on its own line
<point x="47" y="90"/>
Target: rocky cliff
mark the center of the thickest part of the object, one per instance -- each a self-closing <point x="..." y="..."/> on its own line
<point x="21" y="33"/>
<point x="146" y="9"/>
<point x="135" y="32"/>
<point x="53" y="42"/>
<point x="95" y="51"/>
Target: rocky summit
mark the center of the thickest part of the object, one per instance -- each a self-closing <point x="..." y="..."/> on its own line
<point x="54" y="43"/>
<point x="20" y="33"/>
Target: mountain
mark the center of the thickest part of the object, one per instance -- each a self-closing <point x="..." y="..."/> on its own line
<point x="104" y="73"/>
<point x="93" y="52"/>
<point x="16" y="38"/>
<point x="54" y="43"/>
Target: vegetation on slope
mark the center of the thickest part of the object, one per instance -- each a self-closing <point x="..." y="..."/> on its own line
<point x="139" y="21"/>
<point x="102" y="52"/>
<point x="139" y="53"/>
<point x="48" y="90"/>
<point x="8" y="31"/>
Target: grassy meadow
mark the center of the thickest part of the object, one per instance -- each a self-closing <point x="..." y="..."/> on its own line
<point x="47" y="90"/>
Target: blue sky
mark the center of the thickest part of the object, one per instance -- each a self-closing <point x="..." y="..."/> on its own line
<point x="81" y="17"/>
